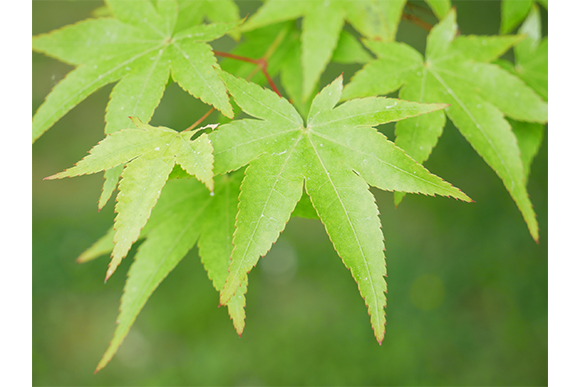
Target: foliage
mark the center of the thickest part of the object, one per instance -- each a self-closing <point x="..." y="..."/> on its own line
<point x="149" y="155"/>
<point x="306" y="155"/>
<point x="456" y="71"/>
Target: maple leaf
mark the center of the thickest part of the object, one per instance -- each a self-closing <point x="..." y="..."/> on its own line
<point x="531" y="65"/>
<point x="332" y="157"/>
<point x="513" y="12"/>
<point x="439" y="7"/>
<point x="184" y="215"/>
<point x="530" y="136"/>
<point x="140" y="47"/>
<point x="322" y="24"/>
<point x="150" y="153"/>
<point x="192" y="12"/>
<point x="531" y="55"/>
<point x="457" y="72"/>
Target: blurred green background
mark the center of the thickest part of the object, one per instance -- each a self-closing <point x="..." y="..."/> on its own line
<point x="467" y="285"/>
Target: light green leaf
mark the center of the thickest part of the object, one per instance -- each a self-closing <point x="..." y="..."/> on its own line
<point x="377" y="20"/>
<point x="164" y="247"/>
<point x="269" y="192"/>
<point x="349" y="50"/>
<point x="513" y="12"/>
<point x="440" y="38"/>
<point x="150" y="154"/>
<point x="78" y="85"/>
<point x="102" y="246"/>
<point x="91" y="40"/>
<point x="419" y="135"/>
<point x="334" y="156"/>
<point x="217" y="11"/>
<point x="192" y="68"/>
<point x="186" y="213"/>
<point x="267" y="106"/>
<point x="439" y="7"/>
<point x="291" y="78"/>
<point x="144" y="15"/>
<point x="531" y="55"/>
<point x="398" y="60"/>
<point x="483" y="48"/>
<point x="349" y="213"/>
<point x="136" y="95"/>
<point x="483" y="125"/>
<point x="139" y="43"/>
<point x="140" y="187"/>
<point x="102" y="11"/>
<point x="322" y="24"/>
<point x="530" y="137"/>
<point x="510" y="94"/>
<point x="215" y="242"/>
<point x="206" y="32"/>
<point x="320" y="32"/>
<point x="456" y="72"/>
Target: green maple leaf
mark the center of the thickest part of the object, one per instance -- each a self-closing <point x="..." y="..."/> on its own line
<point x="530" y="136"/>
<point x="457" y="72"/>
<point x="334" y="156"/>
<point x="194" y="11"/>
<point x="531" y="55"/>
<point x="513" y="12"/>
<point x="184" y="215"/>
<point x="322" y="24"/>
<point x="150" y="153"/>
<point x="439" y="7"/>
<point x="531" y="65"/>
<point x="218" y="11"/>
<point x="140" y="47"/>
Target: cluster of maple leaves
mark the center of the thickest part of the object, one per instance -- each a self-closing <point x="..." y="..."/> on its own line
<point x="233" y="188"/>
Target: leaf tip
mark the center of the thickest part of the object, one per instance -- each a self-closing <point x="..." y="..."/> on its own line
<point x="109" y="274"/>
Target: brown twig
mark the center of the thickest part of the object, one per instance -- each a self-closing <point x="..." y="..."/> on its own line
<point x="417" y="21"/>
<point x="420" y="8"/>
<point x="200" y="120"/>
<point x="261" y="63"/>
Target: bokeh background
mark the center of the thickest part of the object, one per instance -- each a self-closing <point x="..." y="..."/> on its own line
<point x="467" y="285"/>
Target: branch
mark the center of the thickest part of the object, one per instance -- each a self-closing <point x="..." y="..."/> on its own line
<point x="200" y="120"/>
<point x="261" y="63"/>
<point x="417" y="21"/>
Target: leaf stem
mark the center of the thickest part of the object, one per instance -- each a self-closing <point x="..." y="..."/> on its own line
<point x="417" y="21"/>
<point x="420" y="8"/>
<point x="261" y="63"/>
<point x="200" y="120"/>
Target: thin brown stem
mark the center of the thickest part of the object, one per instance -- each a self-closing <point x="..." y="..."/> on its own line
<point x="417" y="21"/>
<point x="261" y="63"/>
<point x="420" y="8"/>
<point x="200" y="120"/>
